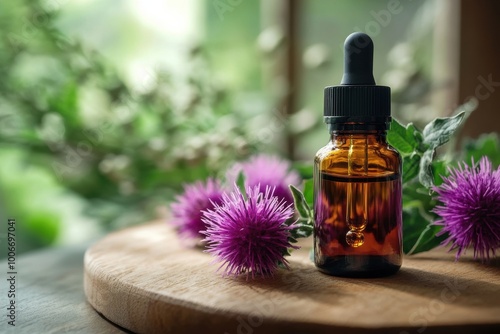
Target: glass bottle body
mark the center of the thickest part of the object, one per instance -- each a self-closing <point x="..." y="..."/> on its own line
<point x="358" y="206"/>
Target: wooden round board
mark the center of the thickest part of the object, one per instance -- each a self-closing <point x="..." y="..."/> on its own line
<point x="145" y="280"/>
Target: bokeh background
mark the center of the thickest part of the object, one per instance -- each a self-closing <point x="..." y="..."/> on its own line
<point x="108" y="107"/>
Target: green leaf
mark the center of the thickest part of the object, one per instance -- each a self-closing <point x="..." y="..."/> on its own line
<point x="309" y="192"/>
<point x="300" y="203"/>
<point x="440" y="130"/>
<point x="439" y="169"/>
<point x="240" y="182"/>
<point x="425" y="175"/>
<point x="414" y="194"/>
<point x="428" y="240"/>
<point x="411" y="165"/>
<point x="286" y="252"/>
<point x="402" y="138"/>
<point x="413" y="225"/>
<point x="418" y="233"/>
<point x="303" y="229"/>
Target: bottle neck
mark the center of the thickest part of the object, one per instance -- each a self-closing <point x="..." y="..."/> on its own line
<point x="363" y="137"/>
<point x="358" y="124"/>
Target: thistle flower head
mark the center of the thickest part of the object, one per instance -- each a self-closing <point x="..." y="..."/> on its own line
<point x="470" y="210"/>
<point x="267" y="171"/>
<point x="249" y="235"/>
<point x="187" y="209"/>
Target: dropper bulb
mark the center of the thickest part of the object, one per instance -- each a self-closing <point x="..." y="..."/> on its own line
<point x="358" y="60"/>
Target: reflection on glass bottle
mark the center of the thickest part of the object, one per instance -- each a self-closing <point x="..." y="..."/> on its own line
<point x="357" y="211"/>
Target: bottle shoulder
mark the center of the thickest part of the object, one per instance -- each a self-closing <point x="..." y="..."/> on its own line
<point x="324" y="151"/>
<point x="379" y="159"/>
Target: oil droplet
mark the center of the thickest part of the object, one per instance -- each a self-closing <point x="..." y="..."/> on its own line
<point x="354" y="239"/>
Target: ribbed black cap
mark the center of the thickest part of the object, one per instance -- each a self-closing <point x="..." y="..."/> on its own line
<point x="358" y="103"/>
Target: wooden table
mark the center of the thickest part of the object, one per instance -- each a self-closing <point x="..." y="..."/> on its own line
<point x="146" y="280"/>
<point x="50" y="296"/>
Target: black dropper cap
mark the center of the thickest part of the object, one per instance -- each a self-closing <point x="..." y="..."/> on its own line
<point x="358" y="103"/>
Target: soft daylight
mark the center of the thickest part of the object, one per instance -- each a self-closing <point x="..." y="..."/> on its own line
<point x="250" y="166"/>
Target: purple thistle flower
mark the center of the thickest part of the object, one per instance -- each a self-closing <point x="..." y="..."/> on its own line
<point x="249" y="235"/>
<point x="470" y="213"/>
<point x="187" y="209"/>
<point x="266" y="171"/>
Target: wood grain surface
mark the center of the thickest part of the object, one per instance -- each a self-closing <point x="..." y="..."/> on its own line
<point x="49" y="295"/>
<point x="145" y="280"/>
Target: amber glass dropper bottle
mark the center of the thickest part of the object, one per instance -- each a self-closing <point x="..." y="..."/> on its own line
<point x="357" y="175"/>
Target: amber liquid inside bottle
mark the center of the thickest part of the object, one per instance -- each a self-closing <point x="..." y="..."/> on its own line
<point x="358" y="206"/>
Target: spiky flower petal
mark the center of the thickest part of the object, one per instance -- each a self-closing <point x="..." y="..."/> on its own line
<point x="249" y="234"/>
<point x="267" y="171"/>
<point x="470" y="210"/>
<point x="187" y="209"/>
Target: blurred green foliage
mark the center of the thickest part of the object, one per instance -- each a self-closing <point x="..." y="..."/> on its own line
<point x="487" y="144"/>
<point x="80" y="149"/>
<point x="70" y="126"/>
